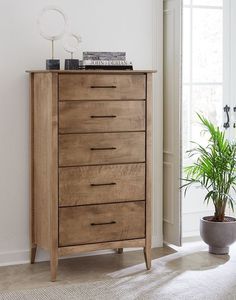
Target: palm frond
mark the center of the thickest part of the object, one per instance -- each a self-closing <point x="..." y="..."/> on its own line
<point x="214" y="167"/>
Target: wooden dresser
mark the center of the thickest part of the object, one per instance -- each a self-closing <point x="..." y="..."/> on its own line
<point x="91" y="162"/>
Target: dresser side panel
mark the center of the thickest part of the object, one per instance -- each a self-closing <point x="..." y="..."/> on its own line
<point x="45" y="141"/>
<point x="149" y="164"/>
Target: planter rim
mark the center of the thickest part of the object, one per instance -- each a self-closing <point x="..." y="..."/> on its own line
<point x="206" y="221"/>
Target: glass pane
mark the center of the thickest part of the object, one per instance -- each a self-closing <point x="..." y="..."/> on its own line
<point x="186" y="2"/>
<point x="205" y="64"/>
<point x="208" y="2"/>
<point x="206" y="100"/>
<point x="186" y="44"/>
<point x="186" y="128"/>
<point x="207" y="45"/>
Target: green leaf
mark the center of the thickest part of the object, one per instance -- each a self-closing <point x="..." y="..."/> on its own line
<point x="213" y="168"/>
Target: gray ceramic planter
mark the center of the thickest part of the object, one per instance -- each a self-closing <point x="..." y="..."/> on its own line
<point x="218" y="235"/>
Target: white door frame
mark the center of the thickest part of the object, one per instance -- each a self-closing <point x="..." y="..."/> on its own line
<point x="172" y="121"/>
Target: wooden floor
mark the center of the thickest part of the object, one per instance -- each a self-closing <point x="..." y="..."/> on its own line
<point x="75" y="270"/>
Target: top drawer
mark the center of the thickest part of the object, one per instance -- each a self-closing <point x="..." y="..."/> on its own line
<point x="101" y="87"/>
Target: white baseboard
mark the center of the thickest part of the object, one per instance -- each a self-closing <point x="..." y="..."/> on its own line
<point x="23" y="256"/>
<point x="157" y="241"/>
<point x="193" y="238"/>
<point x="190" y="234"/>
<point x="14" y="257"/>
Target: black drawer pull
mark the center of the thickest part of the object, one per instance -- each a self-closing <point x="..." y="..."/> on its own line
<point x="103" y="86"/>
<point x="102" y="117"/>
<point x="103" y="148"/>
<point x="106" y="223"/>
<point x="101" y="184"/>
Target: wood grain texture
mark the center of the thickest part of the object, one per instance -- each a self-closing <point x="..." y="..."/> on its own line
<point x="70" y="250"/>
<point x="101" y="87"/>
<point x="101" y="116"/>
<point x="42" y="157"/>
<point x="76" y="149"/>
<point x="125" y="72"/>
<point x="54" y="180"/>
<point x="116" y="151"/>
<point x="149" y="173"/>
<point x="101" y="184"/>
<point x="101" y="223"/>
<point x="45" y="175"/>
<point x="33" y="245"/>
<point x="147" y="257"/>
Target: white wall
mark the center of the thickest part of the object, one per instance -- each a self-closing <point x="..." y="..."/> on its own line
<point x="127" y="25"/>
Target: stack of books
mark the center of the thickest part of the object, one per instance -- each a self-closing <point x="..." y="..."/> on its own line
<point x="106" y="61"/>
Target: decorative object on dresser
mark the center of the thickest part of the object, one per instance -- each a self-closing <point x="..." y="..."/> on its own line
<point x="71" y="45"/>
<point x="58" y="19"/>
<point x="91" y="162"/>
<point x="106" y="61"/>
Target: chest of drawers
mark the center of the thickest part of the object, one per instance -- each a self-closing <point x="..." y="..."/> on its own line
<point x="91" y="162"/>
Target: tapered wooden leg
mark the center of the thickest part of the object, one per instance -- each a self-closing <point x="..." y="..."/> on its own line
<point x="119" y="250"/>
<point x="33" y="253"/>
<point x="148" y="257"/>
<point x="53" y="266"/>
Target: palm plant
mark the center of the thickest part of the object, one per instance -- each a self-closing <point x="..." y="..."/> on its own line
<point x="214" y="169"/>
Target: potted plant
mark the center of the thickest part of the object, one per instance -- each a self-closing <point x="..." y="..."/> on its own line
<point x="214" y="169"/>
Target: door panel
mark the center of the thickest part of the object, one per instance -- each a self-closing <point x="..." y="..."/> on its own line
<point x="202" y="93"/>
<point x="172" y="121"/>
<point x="229" y="87"/>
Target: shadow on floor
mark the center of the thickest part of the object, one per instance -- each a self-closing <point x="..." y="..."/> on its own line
<point x="77" y="270"/>
<point x="197" y="261"/>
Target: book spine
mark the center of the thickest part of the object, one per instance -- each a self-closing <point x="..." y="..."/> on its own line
<point x="104" y="56"/>
<point x="116" y="67"/>
<point x="106" y="62"/>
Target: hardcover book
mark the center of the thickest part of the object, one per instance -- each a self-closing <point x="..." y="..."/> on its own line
<point x="108" y="64"/>
<point x="89" y="55"/>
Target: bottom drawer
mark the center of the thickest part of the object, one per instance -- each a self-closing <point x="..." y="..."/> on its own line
<point x="101" y="223"/>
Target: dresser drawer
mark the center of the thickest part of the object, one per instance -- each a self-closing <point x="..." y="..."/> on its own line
<point x="101" y="116"/>
<point x="101" y="87"/>
<point x="101" y="148"/>
<point x="101" y="223"/>
<point x="101" y="184"/>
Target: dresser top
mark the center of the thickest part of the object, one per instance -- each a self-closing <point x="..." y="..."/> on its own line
<point x="93" y="71"/>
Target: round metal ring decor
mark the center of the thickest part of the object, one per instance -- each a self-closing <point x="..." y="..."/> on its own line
<point x="44" y="28"/>
<point x="71" y="45"/>
<point x="60" y="14"/>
